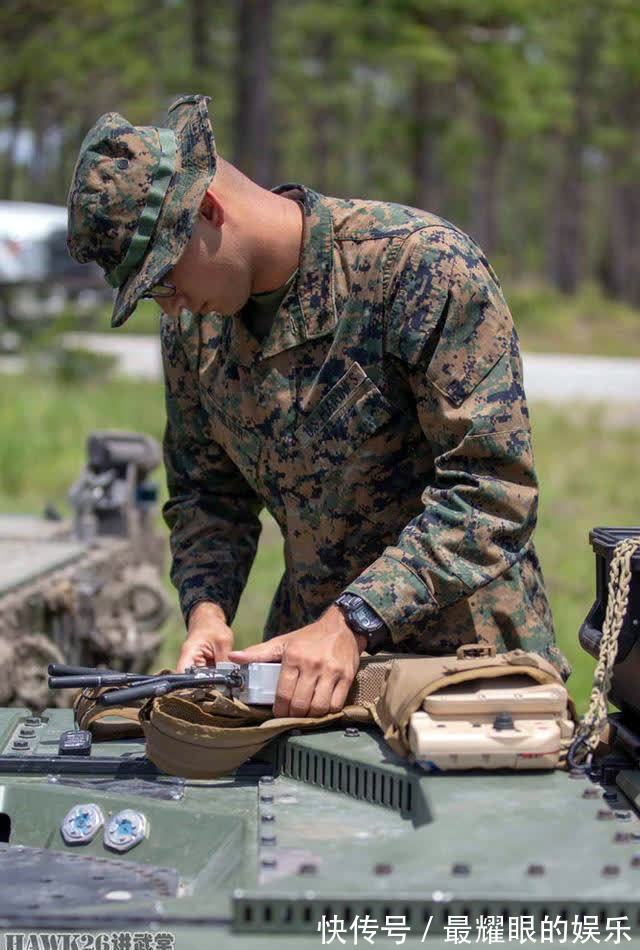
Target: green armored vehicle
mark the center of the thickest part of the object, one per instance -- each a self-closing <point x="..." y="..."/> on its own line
<point x="325" y="837"/>
<point x="86" y="590"/>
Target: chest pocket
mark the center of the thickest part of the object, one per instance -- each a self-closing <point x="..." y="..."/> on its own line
<point x="355" y="445"/>
<point x="349" y="413"/>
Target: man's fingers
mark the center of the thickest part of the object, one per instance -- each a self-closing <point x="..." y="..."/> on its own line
<point x="321" y="701"/>
<point x="202" y="650"/>
<point x="285" y="690"/>
<point x="184" y="660"/>
<point x="302" y="695"/>
<point x="195" y="654"/>
<point x="269" y="652"/>
<point x="222" y="653"/>
<point x="339" y="696"/>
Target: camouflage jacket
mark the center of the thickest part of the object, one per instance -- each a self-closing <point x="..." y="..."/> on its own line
<point x="382" y="423"/>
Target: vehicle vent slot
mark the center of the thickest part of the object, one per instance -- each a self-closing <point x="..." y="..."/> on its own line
<point x="366" y="782"/>
<point x="408" y="804"/>
<point x="260" y="913"/>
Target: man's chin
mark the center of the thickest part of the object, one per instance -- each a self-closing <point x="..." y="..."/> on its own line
<point x="235" y="311"/>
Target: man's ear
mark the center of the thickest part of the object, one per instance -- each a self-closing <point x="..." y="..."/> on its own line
<point x="211" y="208"/>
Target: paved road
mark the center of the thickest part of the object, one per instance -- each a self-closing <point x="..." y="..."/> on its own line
<point x="551" y="377"/>
<point x="138" y="356"/>
<point x="566" y="378"/>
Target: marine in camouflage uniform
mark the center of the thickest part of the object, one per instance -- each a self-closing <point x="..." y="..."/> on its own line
<point x="383" y="424"/>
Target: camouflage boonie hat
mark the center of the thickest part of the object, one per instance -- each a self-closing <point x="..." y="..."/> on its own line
<point x="135" y="195"/>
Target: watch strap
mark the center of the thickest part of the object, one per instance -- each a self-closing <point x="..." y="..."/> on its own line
<point x="363" y="620"/>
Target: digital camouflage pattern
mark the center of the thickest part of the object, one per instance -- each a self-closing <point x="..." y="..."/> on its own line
<point x="383" y="424"/>
<point x="135" y="195"/>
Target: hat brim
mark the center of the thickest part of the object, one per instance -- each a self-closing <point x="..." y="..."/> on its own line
<point x="195" y="167"/>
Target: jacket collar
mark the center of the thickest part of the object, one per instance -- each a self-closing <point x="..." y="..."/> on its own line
<point x="308" y="310"/>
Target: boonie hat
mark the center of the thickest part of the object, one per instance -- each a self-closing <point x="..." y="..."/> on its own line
<point x="135" y="195"/>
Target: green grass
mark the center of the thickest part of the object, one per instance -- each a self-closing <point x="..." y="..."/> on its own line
<point x="588" y="477"/>
<point x="587" y="472"/>
<point x="144" y="320"/>
<point x="587" y="323"/>
<point x="43" y="428"/>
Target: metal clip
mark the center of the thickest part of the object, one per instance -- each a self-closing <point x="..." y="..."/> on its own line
<point x="469" y="650"/>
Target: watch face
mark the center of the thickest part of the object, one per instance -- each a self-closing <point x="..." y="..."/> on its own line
<point x="359" y="615"/>
<point x="367" y="619"/>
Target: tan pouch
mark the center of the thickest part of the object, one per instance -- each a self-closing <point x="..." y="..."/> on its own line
<point x="116" y="722"/>
<point x="203" y="734"/>
<point x="211" y="737"/>
<point x="200" y="733"/>
<point x="439" y="711"/>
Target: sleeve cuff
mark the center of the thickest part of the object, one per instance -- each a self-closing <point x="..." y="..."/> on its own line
<point x="397" y="594"/>
<point x="190" y="597"/>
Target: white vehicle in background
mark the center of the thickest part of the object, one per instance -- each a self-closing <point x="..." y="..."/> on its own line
<point x="38" y="277"/>
<point x="26" y="231"/>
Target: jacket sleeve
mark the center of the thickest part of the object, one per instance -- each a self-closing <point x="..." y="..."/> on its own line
<point x="451" y="336"/>
<point x="212" y="513"/>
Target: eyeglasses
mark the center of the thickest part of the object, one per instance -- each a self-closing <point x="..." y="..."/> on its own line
<point x="160" y="289"/>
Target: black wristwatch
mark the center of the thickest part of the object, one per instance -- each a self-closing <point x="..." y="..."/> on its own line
<point x="362" y="619"/>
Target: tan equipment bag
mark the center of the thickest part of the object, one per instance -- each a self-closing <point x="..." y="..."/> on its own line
<point x="477" y="710"/>
<point x="200" y="733"/>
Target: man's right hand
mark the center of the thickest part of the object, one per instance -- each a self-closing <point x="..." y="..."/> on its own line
<point x="209" y="638"/>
